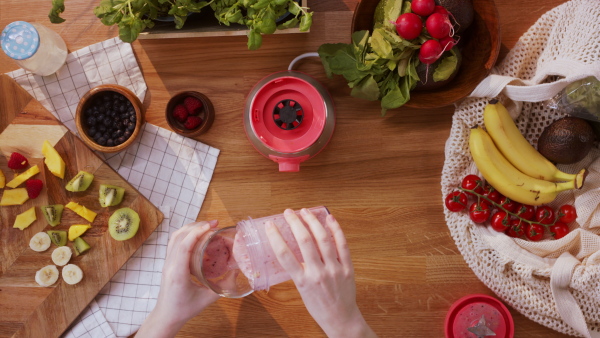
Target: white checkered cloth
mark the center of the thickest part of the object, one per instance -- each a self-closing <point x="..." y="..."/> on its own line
<point x="172" y="171"/>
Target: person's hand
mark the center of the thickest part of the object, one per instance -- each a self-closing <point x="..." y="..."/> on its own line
<point x="179" y="299"/>
<point x="326" y="278"/>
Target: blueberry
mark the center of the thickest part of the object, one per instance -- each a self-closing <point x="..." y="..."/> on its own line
<point x="121" y="139"/>
<point x="122" y="108"/>
<point x="129" y="105"/>
<point x="110" y="142"/>
<point x="97" y="135"/>
<point x="91" y="121"/>
<point x="118" y="132"/>
<point x="102" y="141"/>
<point x="102" y="109"/>
<point x="107" y="121"/>
<point x="102" y="128"/>
<point x="126" y="134"/>
<point x="132" y="118"/>
<point x="125" y="122"/>
<point x="131" y="126"/>
<point x="92" y="131"/>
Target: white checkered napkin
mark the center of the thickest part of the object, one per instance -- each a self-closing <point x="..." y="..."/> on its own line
<point x="108" y="62"/>
<point x="173" y="172"/>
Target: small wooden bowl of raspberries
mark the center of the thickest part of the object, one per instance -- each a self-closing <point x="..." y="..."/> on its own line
<point x="190" y="113"/>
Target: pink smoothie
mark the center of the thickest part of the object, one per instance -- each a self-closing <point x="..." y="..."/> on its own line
<point x="254" y="255"/>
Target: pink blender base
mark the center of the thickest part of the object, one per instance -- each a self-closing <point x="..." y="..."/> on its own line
<point x="479" y="314"/>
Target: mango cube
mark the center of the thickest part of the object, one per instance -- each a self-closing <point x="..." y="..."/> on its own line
<point x="77" y="230"/>
<point x="27" y="174"/>
<point x="14" y="197"/>
<point x="53" y="161"/>
<point x="82" y="211"/>
<point x="2" y="179"/>
<point x="25" y="219"/>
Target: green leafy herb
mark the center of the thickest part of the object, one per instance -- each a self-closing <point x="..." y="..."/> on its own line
<point x="58" y="6"/>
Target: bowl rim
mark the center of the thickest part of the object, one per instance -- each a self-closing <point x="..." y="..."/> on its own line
<point x="208" y="110"/>
<point x="86" y="98"/>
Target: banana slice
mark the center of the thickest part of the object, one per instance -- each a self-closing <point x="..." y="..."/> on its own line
<point x="40" y="242"/>
<point x="61" y="255"/>
<point x="72" y="274"/>
<point x="47" y="275"/>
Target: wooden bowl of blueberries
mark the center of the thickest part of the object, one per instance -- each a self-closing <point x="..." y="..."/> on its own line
<point x="108" y="118"/>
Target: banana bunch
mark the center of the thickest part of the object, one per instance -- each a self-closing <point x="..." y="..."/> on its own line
<point x="512" y="165"/>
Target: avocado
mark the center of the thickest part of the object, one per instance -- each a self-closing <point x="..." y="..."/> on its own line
<point x="461" y="10"/>
<point x="426" y="81"/>
<point x="567" y="140"/>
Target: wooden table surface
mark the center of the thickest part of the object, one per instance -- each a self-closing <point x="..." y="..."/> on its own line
<point x="379" y="176"/>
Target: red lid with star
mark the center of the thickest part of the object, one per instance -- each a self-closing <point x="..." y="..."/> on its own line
<point x="479" y="315"/>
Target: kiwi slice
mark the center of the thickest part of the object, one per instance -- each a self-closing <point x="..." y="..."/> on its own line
<point x="80" y="246"/>
<point x="58" y="237"/>
<point x="123" y="224"/>
<point x="110" y="195"/>
<point x="53" y="213"/>
<point x="80" y="182"/>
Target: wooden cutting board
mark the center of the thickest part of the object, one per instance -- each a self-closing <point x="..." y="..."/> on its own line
<point x="26" y="309"/>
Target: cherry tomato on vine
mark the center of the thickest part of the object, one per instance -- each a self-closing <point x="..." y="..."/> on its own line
<point x="559" y="230"/>
<point x="500" y="221"/>
<point x="566" y="213"/>
<point x="491" y="193"/>
<point x="544" y="215"/>
<point x="516" y="229"/>
<point x="472" y="182"/>
<point x="480" y="211"/>
<point x="534" y="231"/>
<point x="456" y="201"/>
<point x="526" y="211"/>
<point x="509" y="204"/>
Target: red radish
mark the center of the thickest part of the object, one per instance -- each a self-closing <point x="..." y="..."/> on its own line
<point x="447" y="43"/>
<point x="422" y="7"/>
<point x="438" y="25"/>
<point x="409" y="26"/>
<point x="430" y="51"/>
<point x="441" y="10"/>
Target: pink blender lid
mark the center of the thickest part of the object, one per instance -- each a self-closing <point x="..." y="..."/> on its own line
<point x="288" y="114"/>
<point x="478" y="315"/>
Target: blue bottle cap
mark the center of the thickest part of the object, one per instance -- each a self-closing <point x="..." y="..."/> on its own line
<point x="20" y="40"/>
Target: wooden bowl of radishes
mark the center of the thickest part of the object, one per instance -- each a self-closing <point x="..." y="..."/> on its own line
<point x="479" y="45"/>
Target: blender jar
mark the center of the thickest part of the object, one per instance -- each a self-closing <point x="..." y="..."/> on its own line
<point x="235" y="261"/>
<point x="34" y="47"/>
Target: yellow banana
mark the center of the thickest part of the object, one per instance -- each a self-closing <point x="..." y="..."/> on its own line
<point x="507" y="179"/>
<point x="518" y="150"/>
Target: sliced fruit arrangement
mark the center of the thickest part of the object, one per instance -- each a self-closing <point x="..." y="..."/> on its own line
<point x="47" y="275"/>
<point x="21" y="178"/>
<point x="123" y="224"/>
<point x="80" y="182"/>
<point x="78" y="230"/>
<point x="53" y="161"/>
<point x="14" y="197"/>
<point x="25" y="219"/>
<point x="512" y="218"/>
<point x="82" y="211"/>
<point x="62" y="255"/>
<point x="80" y="246"/>
<point x="72" y="274"/>
<point x="110" y="195"/>
<point x="58" y="237"/>
<point x="40" y="242"/>
<point x="52" y="213"/>
<point x="509" y="163"/>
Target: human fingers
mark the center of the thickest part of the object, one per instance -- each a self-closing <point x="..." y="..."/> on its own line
<point x="305" y="241"/>
<point x="323" y="239"/>
<point x="343" y="252"/>
<point x="284" y="254"/>
<point x="178" y="235"/>
<point x="186" y="247"/>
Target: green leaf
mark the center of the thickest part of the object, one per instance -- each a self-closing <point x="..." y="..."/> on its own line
<point x="280" y="2"/>
<point x="327" y="52"/>
<point x="261" y="4"/>
<point x="366" y="89"/>
<point x="380" y="45"/>
<point x="294" y="8"/>
<point x="399" y="95"/>
<point x="406" y="7"/>
<point x="268" y="26"/>
<point x="305" y="22"/>
<point x="254" y="40"/>
<point x="58" y="6"/>
<point x="446" y="67"/>
<point x="130" y="28"/>
<point x="288" y="24"/>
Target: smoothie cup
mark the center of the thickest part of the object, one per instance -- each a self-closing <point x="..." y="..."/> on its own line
<point x="235" y="261"/>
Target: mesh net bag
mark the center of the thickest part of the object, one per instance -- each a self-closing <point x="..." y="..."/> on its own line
<point x="553" y="282"/>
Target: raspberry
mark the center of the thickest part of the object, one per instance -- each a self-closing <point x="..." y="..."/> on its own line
<point x="192" y="122"/>
<point x="193" y="105"/>
<point x="180" y="113"/>
<point x="34" y="187"/>
<point x="17" y="161"/>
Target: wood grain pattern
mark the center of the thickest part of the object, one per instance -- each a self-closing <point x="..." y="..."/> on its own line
<point x="380" y="177"/>
<point x="26" y="309"/>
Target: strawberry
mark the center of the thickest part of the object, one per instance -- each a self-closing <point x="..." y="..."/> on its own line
<point x="17" y="161"/>
<point x="193" y="105"/>
<point x="180" y="113"/>
<point x="34" y="187"/>
<point x="192" y="122"/>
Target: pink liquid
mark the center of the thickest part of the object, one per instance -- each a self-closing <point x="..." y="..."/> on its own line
<point x="255" y="257"/>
